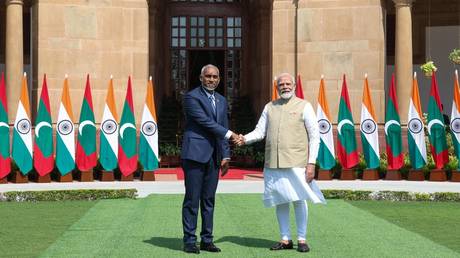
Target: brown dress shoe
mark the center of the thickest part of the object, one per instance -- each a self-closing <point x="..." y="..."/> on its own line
<point x="282" y="246"/>
<point x="303" y="247"/>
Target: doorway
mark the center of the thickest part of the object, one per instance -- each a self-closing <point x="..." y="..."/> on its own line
<point x="200" y="58"/>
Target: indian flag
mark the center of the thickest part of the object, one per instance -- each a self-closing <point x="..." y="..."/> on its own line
<point x="65" y="138"/>
<point x="326" y="153"/>
<point x="148" y="142"/>
<point x="108" y="153"/>
<point x="274" y="90"/>
<point x="369" y="129"/>
<point x="5" y="163"/>
<point x="22" y="134"/>
<point x="455" y="118"/>
<point x="127" y="151"/>
<point x="415" y="132"/>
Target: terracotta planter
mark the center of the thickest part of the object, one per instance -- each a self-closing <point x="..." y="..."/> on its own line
<point x="393" y="175"/>
<point x="129" y="177"/>
<point x="85" y="176"/>
<point x="4" y="180"/>
<point x="148" y="176"/>
<point x="438" y="175"/>
<point x="67" y="178"/>
<point x="106" y="176"/>
<point x="371" y="174"/>
<point x="416" y="175"/>
<point x="18" y="178"/>
<point x="455" y="176"/>
<point x="43" y="179"/>
<point x="324" y="174"/>
<point x="347" y="174"/>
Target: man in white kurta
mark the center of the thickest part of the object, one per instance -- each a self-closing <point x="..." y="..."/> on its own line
<point x="291" y="131"/>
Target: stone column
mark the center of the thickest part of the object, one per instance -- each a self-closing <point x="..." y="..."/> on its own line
<point x="403" y="55"/>
<point x="14" y="60"/>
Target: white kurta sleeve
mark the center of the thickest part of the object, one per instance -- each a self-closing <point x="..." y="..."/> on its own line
<point x="311" y="124"/>
<point x="260" y="131"/>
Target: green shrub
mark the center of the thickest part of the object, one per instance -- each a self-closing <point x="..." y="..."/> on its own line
<point x="67" y="195"/>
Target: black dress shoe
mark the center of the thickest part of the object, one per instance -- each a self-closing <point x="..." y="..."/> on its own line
<point x="191" y="248"/>
<point x="210" y="247"/>
<point x="303" y="247"/>
<point x="282" y="246"/>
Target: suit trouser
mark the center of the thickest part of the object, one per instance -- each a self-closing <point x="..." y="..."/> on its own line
<point x="200" y="189"/>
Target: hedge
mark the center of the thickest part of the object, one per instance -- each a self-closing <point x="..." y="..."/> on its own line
<point x="391" y="196"/>
<point x="67" y="195"/>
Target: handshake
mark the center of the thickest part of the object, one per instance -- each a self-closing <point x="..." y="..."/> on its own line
<point x="238" y="139"/>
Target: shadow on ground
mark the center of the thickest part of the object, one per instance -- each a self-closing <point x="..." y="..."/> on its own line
<point x="176" y="243"/>
<point x="247" y="241"/>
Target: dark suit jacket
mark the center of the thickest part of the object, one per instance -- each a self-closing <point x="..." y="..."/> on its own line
<point x="204" y="132"/>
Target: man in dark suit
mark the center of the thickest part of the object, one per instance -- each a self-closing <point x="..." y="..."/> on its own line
<point x="204" y="148"/>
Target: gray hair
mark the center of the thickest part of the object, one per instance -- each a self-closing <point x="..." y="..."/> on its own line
<point x="281" y="75"/>
<point x="206" y="67"/>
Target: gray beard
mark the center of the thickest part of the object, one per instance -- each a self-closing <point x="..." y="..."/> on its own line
<point x="287" y="95"/>
<point x="209" y="89"/>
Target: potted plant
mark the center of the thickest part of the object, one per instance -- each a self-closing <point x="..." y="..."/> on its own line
<point x="428" y="68"/>
<point x="454" y="56"/>
<point x="170" y="154"/>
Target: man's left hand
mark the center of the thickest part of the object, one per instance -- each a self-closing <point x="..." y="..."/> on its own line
<point x="224" y="166"/>
<point x="310" y="172"/>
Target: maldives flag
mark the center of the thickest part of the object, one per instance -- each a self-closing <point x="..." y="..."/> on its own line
<point x="346" y="141"/>
<point x="65" y="136"/>
<point x="326" y="153"/>
<point x="5" y="163"/>
<point x="299" y="89"/>
<point x="108" y="146"/>
<point x="274" y="90"/>
<point x="86" y="158"/>
<point x="148" y="142"/>
<point x="43" y="147"/>
<point x="415" y="132"/>
<point x="436" y="130"/>
<point x="22" y="134"/>
<point x="393" y="130"/>
<point x="127" y="153"/>
<point x="369" y="129"/>
<point x="455" y="118"/>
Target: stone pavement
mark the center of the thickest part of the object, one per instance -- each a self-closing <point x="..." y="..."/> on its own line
<point x="237" y="186"/>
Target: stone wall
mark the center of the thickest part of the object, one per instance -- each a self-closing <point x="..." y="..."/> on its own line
<point x="334" y="37"/>
<point x="99" y="37"/>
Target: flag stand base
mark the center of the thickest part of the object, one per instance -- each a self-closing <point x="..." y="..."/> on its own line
<point x="18" y="178"/>
<point x="129" y="177"/>
<point x="148" y="176"/>
<point x="371" y="174"/>
<point x="455" y="176"/>
<point x="106" y="176"/>
<point x="43" y="179"/>
<point x="85" y="176"/>
<point x="67" y="178"/>
<point x="416" y="175"/>
<point x="324" y="174"/>
<point x="393" y="175"/>
<point x="438" y="175"/>
<point x="4" y="180"/>
<point x="347" y="174"/>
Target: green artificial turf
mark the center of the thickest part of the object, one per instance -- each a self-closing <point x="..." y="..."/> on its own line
<point x="27" y="229"/>
<point x="438" y="221"/>
<point x="151" y="227"/>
